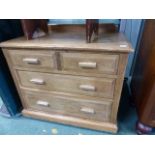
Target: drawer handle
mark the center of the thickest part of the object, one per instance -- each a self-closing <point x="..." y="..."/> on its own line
<point x="87" y="110"/>
<point x="31" y="60"/>
<point x="87" y="64"/>
<point x="37" y="81"/>
<point x="87" y="87"/>
<point x="43" y="103"/>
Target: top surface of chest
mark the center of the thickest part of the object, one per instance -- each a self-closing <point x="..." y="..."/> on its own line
<point x="115" y="42"/>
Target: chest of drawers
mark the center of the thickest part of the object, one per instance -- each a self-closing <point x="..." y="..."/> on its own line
<point x="61" y="78"/>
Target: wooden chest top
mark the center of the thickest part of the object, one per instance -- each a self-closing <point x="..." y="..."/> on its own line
<point x="107" y="42"/>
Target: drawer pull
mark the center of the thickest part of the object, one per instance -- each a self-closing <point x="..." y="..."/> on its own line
<point x="43" y="103"/>
<point x="31" y="60"/>
<point x="37" y="81"/>
<point x="87" y="110"/>
<point x="87" y="87"/>
<point x="87" y="64"/>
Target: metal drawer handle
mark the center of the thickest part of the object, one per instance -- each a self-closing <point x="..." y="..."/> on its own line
<point x="87" y="64"/>
<point x="43" y="103"/>
<point x="31" y="60"/>
<point x="37" y="81"/>
<point x="87" y="87"/>
<point x="87" y="110"/>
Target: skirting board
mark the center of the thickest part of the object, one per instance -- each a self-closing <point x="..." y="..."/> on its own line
<point x="102" y="126"/>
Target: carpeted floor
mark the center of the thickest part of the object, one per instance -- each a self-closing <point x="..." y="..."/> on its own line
<point x="22" y="125"/>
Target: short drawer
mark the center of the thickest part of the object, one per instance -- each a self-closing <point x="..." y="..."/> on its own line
<point x="39" y="60"/>
<point x="90" y="63"/>
<point x="99" y="87"/>
<point x="98" y="110"/>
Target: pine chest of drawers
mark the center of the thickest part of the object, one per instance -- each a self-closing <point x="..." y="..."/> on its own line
<point x="61" y="78"/>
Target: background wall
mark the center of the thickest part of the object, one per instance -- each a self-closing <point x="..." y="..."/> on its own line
<point x="131" y="28"/>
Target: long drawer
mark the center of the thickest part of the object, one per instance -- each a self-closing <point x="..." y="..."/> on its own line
<point x="38" y="60"/>
<point x="99" y="87"/>
<point x="97" y="110"/>
<point x="90" y="63"/>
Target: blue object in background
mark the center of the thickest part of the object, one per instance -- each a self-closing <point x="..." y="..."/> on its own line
<point x="8" y="93"/>
<point x="9" y="97"/>
<point x="81" y="21"/>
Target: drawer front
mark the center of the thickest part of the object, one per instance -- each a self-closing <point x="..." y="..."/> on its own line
<point x="76" y="107"/>
<point x="90" y="63"/>
<point x="42" y="60"/>
<point x="99" y="87"/>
